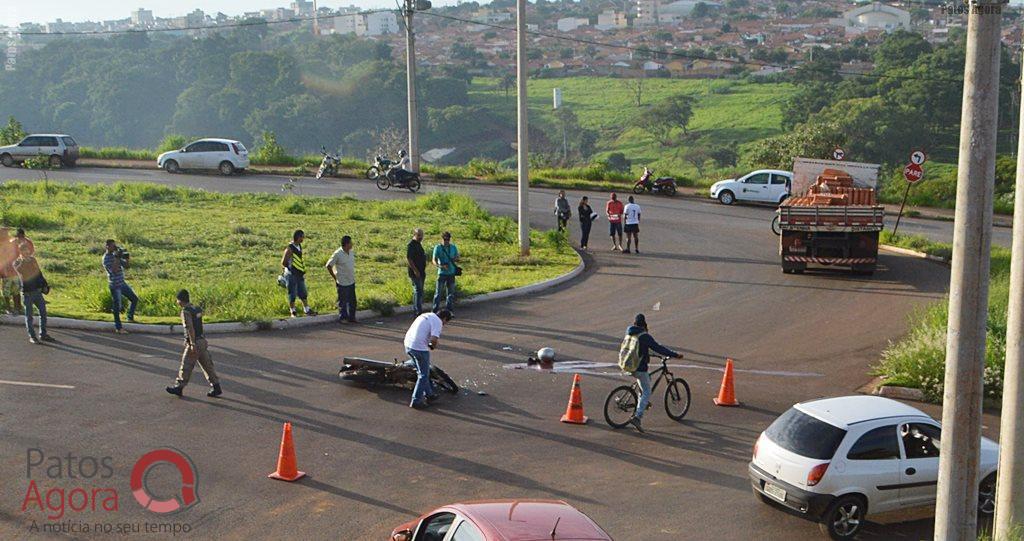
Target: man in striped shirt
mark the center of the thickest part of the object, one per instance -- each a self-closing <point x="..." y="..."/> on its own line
<point x="119" y="289"/>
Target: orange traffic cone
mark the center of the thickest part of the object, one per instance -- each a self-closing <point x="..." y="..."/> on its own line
<point x="727" y="394"/>
<point x="574" y="411"/>
<point x="286" y="467"/>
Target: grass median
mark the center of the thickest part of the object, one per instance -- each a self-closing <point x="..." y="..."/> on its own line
<point x="918" y="360"/>
<point x="226" y="248"/>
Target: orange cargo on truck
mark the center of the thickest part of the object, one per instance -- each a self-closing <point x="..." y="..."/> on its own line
<point x="833" y="217"/>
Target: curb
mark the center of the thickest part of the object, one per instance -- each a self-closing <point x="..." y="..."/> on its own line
<point x="914" y="253"/>
<point x="901" y="393"/>
<point x="279" y="324"/>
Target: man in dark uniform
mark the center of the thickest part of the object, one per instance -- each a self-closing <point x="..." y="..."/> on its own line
<point x="416" y="259"/>
<point x="196" y="349"/>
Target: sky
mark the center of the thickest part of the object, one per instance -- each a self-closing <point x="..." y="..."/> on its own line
<point x="15" y="12"/>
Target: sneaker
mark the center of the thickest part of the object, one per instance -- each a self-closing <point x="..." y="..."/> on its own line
<point x="47" y="338"/>
<point x="635" y="421"/>
<point x="121" y="331"/>
<point x="175" y="390"/>
<point x="626" y="251"/>
<point x="33" y="340"/>
<point x="293" y="313"/>
<point x="215" y="391"/>
<point x="310" y="312"/>
<point x="421" y="405"/>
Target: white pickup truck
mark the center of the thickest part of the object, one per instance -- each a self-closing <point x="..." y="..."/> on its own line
<point x="761" y="186"/>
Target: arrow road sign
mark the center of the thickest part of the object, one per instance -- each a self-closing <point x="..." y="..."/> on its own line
<point x="918" y="157"/>
<point x="838" y="154"/>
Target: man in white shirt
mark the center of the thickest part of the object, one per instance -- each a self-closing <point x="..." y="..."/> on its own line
<point x="419" y="340"/>
<point x="632" y="217"/>
<point x="342" y="267"/>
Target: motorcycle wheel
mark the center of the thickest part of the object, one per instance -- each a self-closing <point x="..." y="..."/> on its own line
<point x="320" y="173"/>
<point x="373" y="173"/>
<point x="361" y="376"/>
<point x="383" y="183"/>
<point x="638" y="189"/>
<point x="670" y="190"/>
<point x="413" y="185"/>
<point x="442" y="381"/>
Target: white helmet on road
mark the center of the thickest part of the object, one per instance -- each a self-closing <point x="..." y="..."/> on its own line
<point x="546" y="354"/>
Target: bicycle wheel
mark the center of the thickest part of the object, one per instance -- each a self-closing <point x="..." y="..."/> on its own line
<point x="620" y="406"/>
<point x="677" y="399"/>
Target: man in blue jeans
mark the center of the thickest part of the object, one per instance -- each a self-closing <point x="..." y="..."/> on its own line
<point x="445" y="257"/>
<point x="416" y="259"/>
<point x="422" y="337"/>
<point x="643" y="378"/>
<point x="114" y="262"/>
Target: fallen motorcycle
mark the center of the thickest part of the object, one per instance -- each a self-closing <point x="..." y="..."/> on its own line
<point x="369" y="372"/>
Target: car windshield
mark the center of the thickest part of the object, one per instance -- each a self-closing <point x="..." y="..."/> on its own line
<point x="799" y="433"/>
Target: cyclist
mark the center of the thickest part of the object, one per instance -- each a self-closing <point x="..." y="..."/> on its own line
<point x="646" y="344"/>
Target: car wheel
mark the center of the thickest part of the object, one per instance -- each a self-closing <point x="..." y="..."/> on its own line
<point x="7" y="160"/>
<point x="844" y="517"/>
<point x="226" y="168"/>
<point x="56" y="161"/>
<point x="726" y="197"/>
<point x="987" y="495"/>
<point x="171" y="166"/>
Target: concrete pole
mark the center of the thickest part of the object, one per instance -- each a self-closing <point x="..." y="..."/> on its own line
<point x="523" y="143"/>
<point x="1009" y="496"/>
<point x="410" y="75"/>
<point x="956" y="511"/>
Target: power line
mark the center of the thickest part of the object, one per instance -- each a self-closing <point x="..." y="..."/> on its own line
<point x="691" y="56"/>
<point x="240" y="24"/>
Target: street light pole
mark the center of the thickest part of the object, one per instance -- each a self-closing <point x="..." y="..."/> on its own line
<point x="522" y="144"/>
<point x="1009" y="498"/>
<point x="410" y="75"/>
<point x="956" y="510"/>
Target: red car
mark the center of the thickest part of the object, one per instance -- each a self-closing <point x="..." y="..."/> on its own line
<point x="502" y="520"/>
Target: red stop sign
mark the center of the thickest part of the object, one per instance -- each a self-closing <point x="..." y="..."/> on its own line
<point x="913" y="172"/>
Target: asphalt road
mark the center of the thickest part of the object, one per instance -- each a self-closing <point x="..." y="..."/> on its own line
<point x="708" y="279"/>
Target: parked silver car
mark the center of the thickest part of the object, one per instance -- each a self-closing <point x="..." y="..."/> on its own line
<point x="225" y="155"/>
<point x="59" y="149"/>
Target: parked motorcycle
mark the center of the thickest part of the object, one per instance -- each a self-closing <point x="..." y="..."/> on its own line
<point x="370" y="372"/>
<point x="328" y="165"/>
<point x="381" y="165"/>
<point x="663" y="185"/>
<point x="399" y="178"/>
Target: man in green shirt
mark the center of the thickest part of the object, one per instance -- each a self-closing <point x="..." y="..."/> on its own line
<point x="445" y="257"/>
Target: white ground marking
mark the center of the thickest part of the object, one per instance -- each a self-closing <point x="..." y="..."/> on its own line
<point x="30" y="384"/>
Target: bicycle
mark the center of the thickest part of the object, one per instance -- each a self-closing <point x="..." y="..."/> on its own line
<point x="621" y="402"/>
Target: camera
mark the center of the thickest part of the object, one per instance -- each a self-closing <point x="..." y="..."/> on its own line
<point x="123" y="256"/>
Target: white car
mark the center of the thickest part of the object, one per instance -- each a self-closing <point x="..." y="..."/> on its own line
<point x="761" y="186"/>
<point x="223" y="155"/>
<point x="835" y="460"/>
<point x="59" y="149"/>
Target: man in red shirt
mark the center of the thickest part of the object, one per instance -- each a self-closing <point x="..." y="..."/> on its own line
<point x="614" y="208"/>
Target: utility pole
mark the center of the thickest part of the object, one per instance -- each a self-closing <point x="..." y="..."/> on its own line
<point x="1009" y="499"/>
<point x="410" y="75"/>
<point x="522" y="143"/>
<point x="956" y="511"/>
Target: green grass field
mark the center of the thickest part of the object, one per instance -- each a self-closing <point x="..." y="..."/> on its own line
<point x="726" y="111"/>
<point x="226" y="248"/>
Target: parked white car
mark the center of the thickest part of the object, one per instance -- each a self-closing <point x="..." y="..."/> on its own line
<point x="761" y="186"/>
<point x="59" y="149"/>
<point x="835" y="460"/>
<point x="223" y="155"/>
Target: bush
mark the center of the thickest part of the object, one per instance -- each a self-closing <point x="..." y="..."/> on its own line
<point x="269" y="152"/>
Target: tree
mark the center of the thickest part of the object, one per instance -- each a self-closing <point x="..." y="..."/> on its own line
<point x="697" y="156"/>
<point x="668" y="115"/>
<point x="12" y="133"/>
<point x="724" y="155"/>
<point x="507" y="82"/>
<point x="900" y="49"/>
<point x="635" y="87"/>
<point x="812" y="140"/>
<point x="700" y="10"/>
